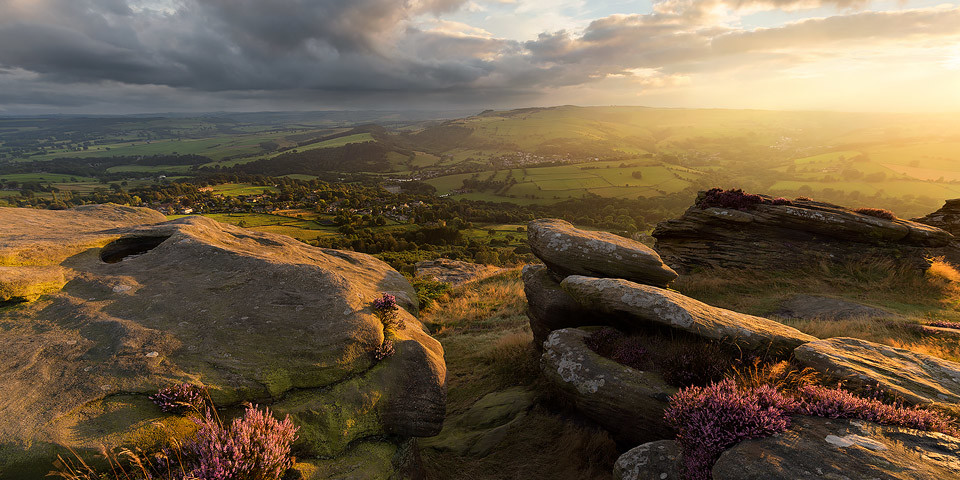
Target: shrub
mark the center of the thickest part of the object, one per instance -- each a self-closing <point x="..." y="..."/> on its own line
<point x="180" y="398"/>
<point x="711" y="419"/>
<point x="877" y="212"/>
<point x="603" y="340"/>
<point x="826" y="402"/>
<point x="384" y="350"/>
<point x="693" y="363"/>
<point x="428" y="291"/>
<point x="254" y="447"/>
<point x="386" y="309"/>
<point x="734" y="198"/>
<point x="629" y="351"/>
<point x="781" y="201"/>
<point x="944" y="324"/>
<point x="803" y="199"/>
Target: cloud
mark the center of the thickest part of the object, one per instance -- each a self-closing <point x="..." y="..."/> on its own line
<point x="228" y="53"/>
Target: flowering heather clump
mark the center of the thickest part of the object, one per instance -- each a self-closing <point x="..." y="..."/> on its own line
<point x="180" y="398"/>
<point x="629" y="352"/>
<point x="826" y="402"/>
<point x="387" y="310"/>
<point x="877" y="212"/>
<point x="803" y="199"/>
<point x="255" y="447"/>
<point x="734" y="198"/>
<point x="698" y="364"/>
<point x="711" y="419"/>
<point x="603" y="340"/>
<point x="383" y="351"/>
<point x="943" y="324"/>
<point x="781" y="201"/>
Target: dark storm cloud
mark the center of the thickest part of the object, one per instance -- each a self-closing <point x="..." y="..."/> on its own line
<point x="208" y="53"/>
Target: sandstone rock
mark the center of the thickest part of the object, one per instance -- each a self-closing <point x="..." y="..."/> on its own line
<point x="827" y="308"/>
<point x="549" y="307"/>
<point x="47" y="237"/>
<point x="947" y="218"/>
<point x="652" y="305"/>
<point x="802" y="233"/>
<point x="568" y="250"/>
<point x="818" y="448"/>
<point x="454" y="272"/>
<point x="253" y="316"/>
<point x="627" y="402"/>
<point x="915" y="377"/>
<point x="484" y="425"/>
<point x="658" y="460"/>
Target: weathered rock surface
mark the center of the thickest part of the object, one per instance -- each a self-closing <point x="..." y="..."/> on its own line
<point x="627" y="402"/>
<point x="915" y="377"/>
<point x="454" y="272"/>
<point x="549" y="307"/>
<point x="652" y="305"/>
<point x="947" y="218"/>
<point x="818" y="448"/>
<point x="803" y="233"/>
<point x="484" y="425"/>
<point x="253" y="316"/>
<point x="568" y="250"/>
<point x="47" y="237"/>
<point x="658" y="460"/>
<point x="827" y="308"/>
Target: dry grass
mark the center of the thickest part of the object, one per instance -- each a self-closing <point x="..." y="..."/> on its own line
<point x="913" y="296"/>
<point x="488" y="347"/>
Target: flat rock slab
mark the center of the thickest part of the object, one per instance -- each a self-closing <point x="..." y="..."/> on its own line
<point x="627" y="402"/>
<point x="254" y="317"/>
<point x="818" y="448"/>
<point x="454" y="272"/>
<point x="916" y="377"/>
<point x="658" y="460"/>
<point x="653" y="305"/>
<point x="568" y="250"/>
<point x="827" y="308"/>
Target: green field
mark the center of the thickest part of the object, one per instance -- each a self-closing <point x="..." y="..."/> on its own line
<point x="236" y="189"/>
<point x="550" y="184"/>
<point x="44" y="178"/>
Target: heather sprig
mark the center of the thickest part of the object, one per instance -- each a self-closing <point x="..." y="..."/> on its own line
<point x="386" y="309"/>
<point x="386" y="349"/>
<point x="180" y="398"/>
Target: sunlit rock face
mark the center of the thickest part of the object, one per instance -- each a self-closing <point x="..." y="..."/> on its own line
<point x="792" y="234"/>
<point x="254" y="317"/>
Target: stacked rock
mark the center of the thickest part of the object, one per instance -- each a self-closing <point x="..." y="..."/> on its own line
<point x="566" y="250"/>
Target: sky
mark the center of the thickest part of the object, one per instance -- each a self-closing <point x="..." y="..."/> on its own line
<point x="136" y="56"/>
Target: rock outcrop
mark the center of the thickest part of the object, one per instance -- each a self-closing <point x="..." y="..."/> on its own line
<point x="816" y="307"/>
<point x="568" y="250"/>
<point x="252" y="316"/>
<point x="627" y="402"/>
<point x="658" y="460"/>
<point x="818" y="448"/>
<point x="549" y="308"/>
<point x="485" y="424"/>
<point x="657" y="306"/>
<point x="796" y="233"/>
<point x="947" y="218"/>
<point x="915" y="377"/>
<point x="454" y="272"/>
